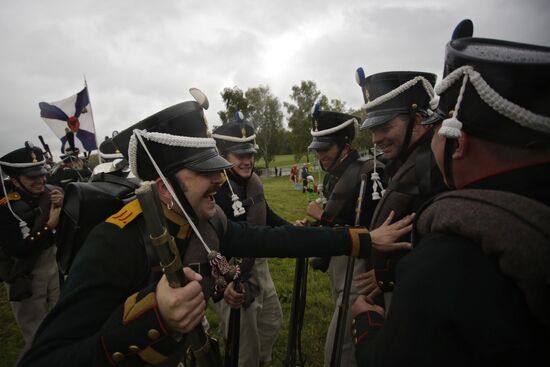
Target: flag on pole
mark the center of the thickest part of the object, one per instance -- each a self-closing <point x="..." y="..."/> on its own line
<point x="71" y="115"/>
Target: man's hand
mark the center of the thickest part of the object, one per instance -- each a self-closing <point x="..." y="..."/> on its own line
<point x="301" y="222"/>
<point x="181" y="308"/>
<point x="383" y="238"/>
<point x="362" y="305"/>
<point x="315" y="210"/>
<point x="56" y="198"/>
<point x="233" y="298"/>
<point x="53" y="218"/>
<point x="367" y="285"/>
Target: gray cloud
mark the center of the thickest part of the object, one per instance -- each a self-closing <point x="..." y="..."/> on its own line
<point x="142" y="56"/>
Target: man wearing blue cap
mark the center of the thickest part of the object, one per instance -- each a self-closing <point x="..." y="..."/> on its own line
<point x="29" y="214"/>
<point x="475" y="288"/>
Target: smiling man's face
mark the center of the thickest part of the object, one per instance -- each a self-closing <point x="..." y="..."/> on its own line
<point x="389" y="137"/>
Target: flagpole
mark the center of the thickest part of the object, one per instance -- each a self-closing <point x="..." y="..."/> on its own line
<point x="93" y="120"/>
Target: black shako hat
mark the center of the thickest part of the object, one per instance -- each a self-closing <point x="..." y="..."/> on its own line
<point x="496" y="90"/>
<point x="176" y="137"/>
<point x="28" y="161"/>
<point x="108" y="150"/>
<point x="331" y="128"/>
<point x="394" y="93"/>
<point x="236" y="136"/>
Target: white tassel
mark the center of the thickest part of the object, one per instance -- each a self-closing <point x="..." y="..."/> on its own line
<point x="375" y="178"/>
<point x="237" y="206"/>
<point x="451" y="128"/>
<point x="25" y="230"/>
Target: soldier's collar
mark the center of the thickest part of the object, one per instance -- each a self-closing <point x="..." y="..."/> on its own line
<point x="177" y="225"/>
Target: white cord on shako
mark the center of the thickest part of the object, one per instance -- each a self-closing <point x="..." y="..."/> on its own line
<point x="234" y="139"/>
<point x="337" y="128"/>
<point x="25" y="230"/>
<point x="173" y="140"/>
<point x="452" y="127"/>
<point x="402" y="88"/>
<point x="376" y="182"/>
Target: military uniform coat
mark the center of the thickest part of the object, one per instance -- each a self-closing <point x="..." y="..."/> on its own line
<point x="410" y="184"/>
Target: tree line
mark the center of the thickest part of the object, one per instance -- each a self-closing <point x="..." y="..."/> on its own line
<point x="265" y="111"/>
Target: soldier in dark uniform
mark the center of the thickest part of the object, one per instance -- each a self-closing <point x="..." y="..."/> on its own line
<point x="29" y="214"/>
<point x="116" y="307"/>
<point x="475" y="288"/>
<point x="332" y="135"/>
<point x="261" y="314"/>
<point x="113" y="162"/>
<point x="396" y="104"/>
<point x="70" y="169"/>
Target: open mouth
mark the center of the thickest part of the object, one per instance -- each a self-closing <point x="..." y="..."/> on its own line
<point x="210" y="195"/>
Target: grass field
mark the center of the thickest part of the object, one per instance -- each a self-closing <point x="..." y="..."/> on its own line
<point x="289" y="204"/>
<point x="283" y="160"/>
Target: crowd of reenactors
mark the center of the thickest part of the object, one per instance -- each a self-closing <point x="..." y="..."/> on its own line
<point x="436" y="243"/>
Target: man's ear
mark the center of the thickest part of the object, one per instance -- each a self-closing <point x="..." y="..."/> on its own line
<point x="164" y="194"/>
<point x="461" y="146"/>
<point x="15" y="182"/>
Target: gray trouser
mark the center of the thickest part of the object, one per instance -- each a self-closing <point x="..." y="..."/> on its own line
<point x="260" y="322"/>
<point x="337" y="273"/>
<point x="30" y="312"/>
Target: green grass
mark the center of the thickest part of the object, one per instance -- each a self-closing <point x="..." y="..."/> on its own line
<point x="283" y="160"/>
<point x="289" y="204"/>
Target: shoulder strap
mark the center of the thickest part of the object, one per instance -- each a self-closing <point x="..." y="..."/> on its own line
<point x="128" y="213"/>
<point x="12" y="196"/>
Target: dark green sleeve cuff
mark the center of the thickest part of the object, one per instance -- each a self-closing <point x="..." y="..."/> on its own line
<point x="360" y="242"/>
<point x="140" y="335"/>
<point x="365" y="326"/>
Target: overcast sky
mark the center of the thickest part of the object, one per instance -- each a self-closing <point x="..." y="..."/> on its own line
<point x="142" y="56"/>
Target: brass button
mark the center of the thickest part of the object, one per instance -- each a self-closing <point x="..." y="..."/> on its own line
<point x="353" y="322"/>
<point x="355" y="341"/>
<point x="117" y="357"/>
<point x="414" y="106"/>
<point x="38" y="233"/>
<point x="381" y="283"/>
<point x="153" y="334"/>
<point x="451" y="113"/>
<point x="392" y="284"/>
<point x="354" y="332"/>
<point x="133" y="348"/>
<point x="32" y="238"/>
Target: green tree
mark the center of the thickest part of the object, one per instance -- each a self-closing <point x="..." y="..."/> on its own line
<point x="299" y="120"/>
<point x="234" y="100"/>
<point x="363" y="140"/>
<point x="267" y="117"/>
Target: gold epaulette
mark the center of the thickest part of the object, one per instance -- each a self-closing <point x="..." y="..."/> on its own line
<point x="125" y="215"/>
<point x="12" y="196"/>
